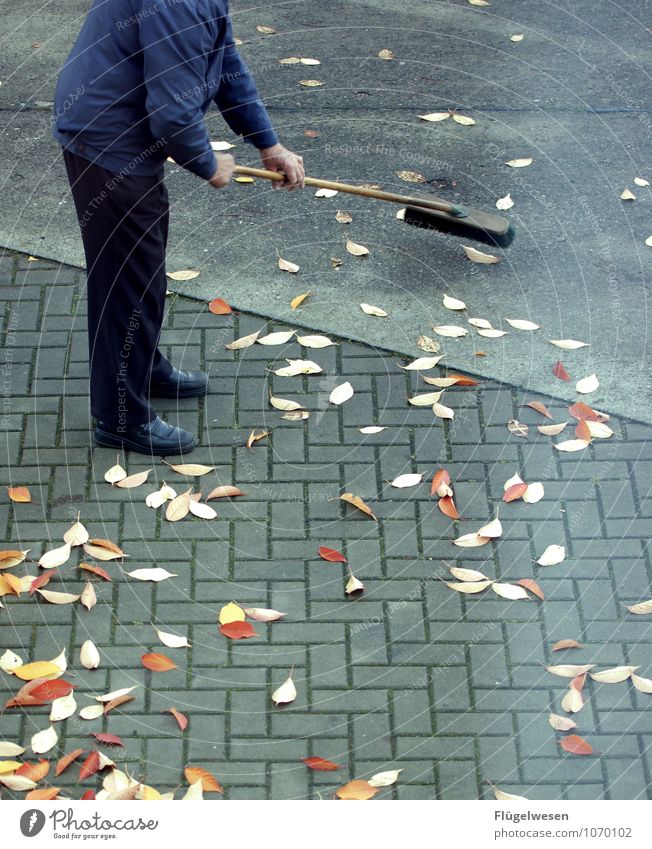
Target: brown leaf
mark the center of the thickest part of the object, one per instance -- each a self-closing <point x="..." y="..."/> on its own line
<point x="107" y="739"/>
<point x="219" y="307"/>
<point x="10" y="558"/>
<point x="356" y="790"/>
<point x="43" y="579"/>
<point x="238" y="630"/>
<point x="448" y="508"/>
<point x="157" y="662"/>
<point x="114" y="703"/>
<point x="356" y="501"/>
<point x="540" y="408"/>
<point x="532" y="586"/>
<point x="254" y="437"/>
<point x="576" y="745"/>
<point x="95" y="570"/>
<point x="19" y="494"/>
<point x="331" y="554"/>
<point x="582" y="431"/>
<point x="559" y="371"/>
<point x="580" y="411"/>
<point x="320" y="764"/>
<point x="181" y="718"/>
<point x="209" y="783"/>
<point x="567" y="644"/>
<point x="64" y="762"/>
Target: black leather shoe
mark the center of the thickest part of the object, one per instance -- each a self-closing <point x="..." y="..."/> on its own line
<point x="157" y="437"/>
<point x="181" y="384"/>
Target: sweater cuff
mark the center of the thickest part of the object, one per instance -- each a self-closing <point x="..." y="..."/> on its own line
<point x="261" y="139"/>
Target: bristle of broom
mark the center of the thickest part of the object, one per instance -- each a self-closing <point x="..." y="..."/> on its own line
<point x="479" y="226"/>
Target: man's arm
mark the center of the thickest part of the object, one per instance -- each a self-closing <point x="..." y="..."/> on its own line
<point x="175" y="42"/>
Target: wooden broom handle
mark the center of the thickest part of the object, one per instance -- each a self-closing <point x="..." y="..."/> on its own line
<point x="425" y="203"/>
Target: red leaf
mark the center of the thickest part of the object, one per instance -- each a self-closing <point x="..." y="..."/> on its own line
<point x="540" y="408"/>
<point x="107" y="739"/>
<point x="50" y="690"/>
<point x="532" y="586"/>
<point x="582" y="431"/>
<point x="559" y="371"/>
<point x="96" y="570"/>
<point x="90" y="766"/>
<point x="181" y="718"/>
<point x="89" y="794"/>
<point x="238" y="630"/>
<point x="576" y="745"/>
<point x="36" y="771"/>
<point x="578" y="682"/>
<point x="24" y="698"/>
<point x="515" y="491"/>
<point x="41" y="581"/>
<point x="219" y="307"/>
<point x="441" y="476"/>
<point x="448" y="508"/>
<point x="332" y="555"/>
<point x="320" y="764"/>
<point x="157" y="662"/>
<point x="580" y="411"/>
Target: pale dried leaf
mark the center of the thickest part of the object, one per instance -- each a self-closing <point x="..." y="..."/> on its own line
<point x="561" y="723"/>
<point x="280" y="337"/>
<point x="643" y="685"/>
<point x="522" y="324"/>
<point x="341" y="393"/>
<point x="568" y="344"/>
<point x="480" y="322"/>
<point x="551" y="430"/>
<point x="505" y="202"/>
<point x="493" y="529"/>
<point x="58" y="598"/>
<point x="641" y="609"/>
<point x="178" y="508"/>
<point x="468" y="586"/>
<point x="435" y="116"/>
<point x="173" y="641"/>
<point x="286" y="693"/>
<point x="343" y="217"/>
<point x="201" y="510"/>
<point x="473" y="540"/>
<point x="422" y="363"/>
<point x="468" y="575"/>
<point x="616" y="675"/>
<point x="263" y="614"/>
<point x="533" y="493"/>
<point x="403" y="481"/>
<point x="89" y="656"/>
<point x="463" y="119"/>
<point x="88" y="597"/>
<point x="76" y="534"/>
<point x="133" y="481"/>
<point x="569" y="670"/>
<point x="450" y="330"/>
<point x="355" y="249"/>
<point x="442" y="412"/>
<point x="426" y="399"/>
<point x="453" y="303"/>
<point x="587" y="384"/>
<point x="553" y="555"/>
<point x="516" y="428"/>
<point x="369" y="309"/>
<point x="91" y="712"/>
<point x="491" y="333"/>
<point x="479" y="256"/>
<point x="155" y="574"/>
<point x="63" y="707"/>
<point x="353" y="585"/>
<point x="56" y="557"/>
<point x="385" y="779"/>
<point x="520" y="163"/>
<point x="426" y="343"/>
<point x="570" y="445"/>
<point x="183" y="274"/>
<point x="44" y="740"/>
<point x="511" y="591"/>
<point x="243" y="342"/>
<point x="315" y="341"/>
<point x="370" y="429"/>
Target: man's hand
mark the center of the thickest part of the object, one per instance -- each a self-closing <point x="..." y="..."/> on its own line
<point x="282" y="160"/>
<point x="224" y="165"/>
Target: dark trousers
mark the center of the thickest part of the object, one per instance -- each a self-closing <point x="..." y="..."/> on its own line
<point x="124" y="226"/>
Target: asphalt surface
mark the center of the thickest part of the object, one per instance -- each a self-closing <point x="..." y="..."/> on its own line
<point x="574" y="94"/>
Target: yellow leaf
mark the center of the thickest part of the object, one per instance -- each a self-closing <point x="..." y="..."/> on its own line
<point x="37" y="669"/>
<point x="296" y="302"/>
<point x="231" y="612"/>
<point x="356" y="501"/>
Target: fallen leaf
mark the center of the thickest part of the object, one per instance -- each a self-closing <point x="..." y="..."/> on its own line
<point x="341" y="393"/>
<point x="37" y="669"/>
<point x="570" y="445"/>
<point x="296" y="302"/>
<point x="470" y="575"/>
<point x="263" y="614"/>
<point x="493" y="529"/>
<point x="520" y="163"/>
<point x="411" y="176"/>
<point x="385" y="779"/>
<point x="534" y="493"/>
<point x="44" y="740"/>
<point x="513" y="592"/>
<point x="10" y="750"/>
<point x="371" y="429"/>
<point x="492" y="333"/>
<point x="88" y="597"/>
<point x="183" y="274"/>
<point x="559" y="371"/>
<point x="231" y="612"/>
<point x="58" y="598"/>
<point x="283" y="403"/>
<point x="532" y="586"/>
<point x="311" y="83"/>
<point x="447" y="507"/>
<point x="17" y="782"/>
<point x="468" y="586"/>
<point x="598" y="430"/>
<point x="641" y="609"/>
<point x="426" y="343"/>
<point x="10" y="558"/>
<point x="343" y="217"/>
<point x="369" y="309"/>
<point x="90" y="766"/>
<point x="331" y="554"/>
<point x="567" y="644"/>
<point x="56" y="557"/>
<point x="63" y="707"/>
<point x="280" y="337"/>
<point x="356" y="790"/>
<point x="516" y="428"/>
<point x="157" y="662"/>
<point x="64" y="762"/>
<point x="576" y="745"/>
<point x="155" y="574"/>
<point x="587" y="384"/>
<point x="286" y="693"/>
<point x="34" y="771"/>
<point x="243" y="342"/>
<point x="238" y="630"/>
<point x="202" y="511"/>
<point x="42" y="581"/>
<point x="450" y="330"/>
<point x="640" y="181"/>
<point x="132" y="481"/>
<point x="643" y="685"/>
<point x="326" y="193"/>
<point x="172" y="641"/>
<point x="540" y="408"/>
<point x="425" y="400"/>
<point x="114" y="703"/>
<point x="285" y="265"/>
<point x="353" y="585"/>
<point x="480" y="322"/>
<point x="19" y="494"/>
<point x="315" y="341"/>
<point x="355" y="249"/>
<point x="181" y="718"/>
<point x="442" y="412"/>
<point x="9" y="661"/>
<point x="435" y="116"/>
<point x="568" y="344"/>
<point x="320" y="764"/>
<point x="91" y="712"/>
<point x="225" y="491"/>
<point x="357" y="502"/>
<point x="570" y="671"/>
<point x="551" y="430"/>
<point x="103" y="549"/>
<point x="515" y="492"/>
<point x="616" y="675"/>
<point x="387" y="55"/>
<point x="473" y="540"/>
<point x="517" y="37"/>
<point x="107" y="739"/>
<point x="191" y="469"/>
<point x="502" y="796"/>
<point x="561" y="723"/>
<point x="114" y="694"/>
<point x="209" y="783"/>
<point x="553" y="555"/>
<point x="581" y="411"/>
<point x="178" y="508"/>
<point x="505" y="203"/>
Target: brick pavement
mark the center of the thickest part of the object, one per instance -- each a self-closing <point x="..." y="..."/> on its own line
<point x="410" y="675"/>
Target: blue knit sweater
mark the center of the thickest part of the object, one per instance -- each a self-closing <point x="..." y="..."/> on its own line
<point x="137" y="84"/>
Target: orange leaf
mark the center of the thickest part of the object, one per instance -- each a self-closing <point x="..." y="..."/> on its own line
<point x="238" y="630"/>
<point x="567" y="644"/>
<point x="96" y="570"/>
<point x="448" y="508"/>
<point x="580" y="411"/>
<point x="532" y="586"/>
<point x="35" y="771"/>
<point x="19" y="494"/>
<point x="357" y="790"/>
<point x="11" y="583"/>
<point x="320" y="764"/>
<point x="219" y="307"/>
<point x="181" y="718"/>
<point x="114" y="703"/>
<point x="64" y="762"/>
<point x="462" y="380"/>
<point x="582" y="431"/>
<point x="540" y="408"/>
<point x="43" y="794"/>
<point x="50" y="690"/>
<point x="157" y="662"/>
<point x="90" y="766"/>
<point x="578" y="682"/>
<point x="515" y="491"/>
<point x="576" y="745"/>
<point x="332" y="555"/>
<point x="559" y="371"/>
<point x="43" y="579"/>
<point x="208" y="781"/>
<point x="441" y="476"/>
<point x="357" y="502"/>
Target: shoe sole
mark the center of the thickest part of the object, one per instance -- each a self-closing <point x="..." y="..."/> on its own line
<point x="190" y="393"/>
<point x="109" y="440"/>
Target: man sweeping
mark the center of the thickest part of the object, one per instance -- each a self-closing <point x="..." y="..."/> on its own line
<point x="133" y="92"/>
